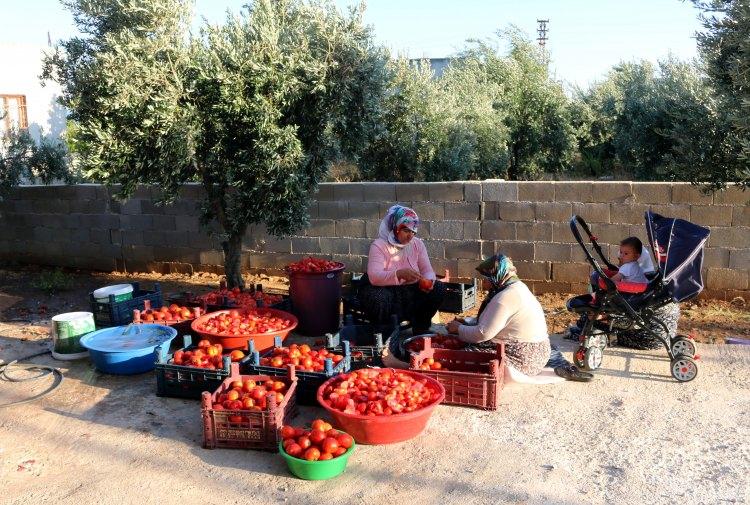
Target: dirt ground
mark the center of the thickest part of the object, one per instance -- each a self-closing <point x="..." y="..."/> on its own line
<point x="633" y="435"/>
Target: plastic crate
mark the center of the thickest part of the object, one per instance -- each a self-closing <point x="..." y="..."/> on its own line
<point x="366" y="342"/>
<point x="190" y="299"/>
<point x="459" y="297"/>
<point x="181" y="325"/>
<point x="180" y="381"/>
<point x="121" y="313"/>
<point x="307" y="382"/>
<point x="256" y="430"/>
<point x="475" y="378"/>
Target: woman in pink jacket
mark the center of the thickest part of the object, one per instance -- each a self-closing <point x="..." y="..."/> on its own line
<point x="400" y="279"/>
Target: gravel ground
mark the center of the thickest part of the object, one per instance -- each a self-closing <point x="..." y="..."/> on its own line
<point x="634" y="435"/>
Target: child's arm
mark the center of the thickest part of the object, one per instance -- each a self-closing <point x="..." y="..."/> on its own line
<point x="617" y="277"/>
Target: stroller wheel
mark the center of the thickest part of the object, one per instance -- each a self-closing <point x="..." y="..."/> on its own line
<point x="593" y="358"/>
<point x="683" y="346"/>
<point x="684" y="369"/>
<point x="579" y="357"/>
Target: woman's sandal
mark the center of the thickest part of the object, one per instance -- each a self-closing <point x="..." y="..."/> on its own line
<point x="571" y="373"/>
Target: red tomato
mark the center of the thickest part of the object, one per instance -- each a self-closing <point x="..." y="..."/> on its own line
<point x="236" y="355"/>
<point x="312" y="454"/>
<point x="288" y="432"/>
<point x="317" y="437"/>
<point x="330" y="444"/>
<point x="304" y="442"/>
<point x="294" y="450"/>
<point x="325" y="455"/>
<point x="345" y="440"/>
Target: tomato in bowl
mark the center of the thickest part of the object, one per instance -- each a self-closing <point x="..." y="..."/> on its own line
<point x="232" y="328"/>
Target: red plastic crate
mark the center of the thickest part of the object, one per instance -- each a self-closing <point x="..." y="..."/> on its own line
<point x="181" y="325"/>
<point x="257" y="430"/>
<point x="471" y="378"/>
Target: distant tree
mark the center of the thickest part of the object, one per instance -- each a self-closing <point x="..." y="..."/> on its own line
<point x="254" y="109"/>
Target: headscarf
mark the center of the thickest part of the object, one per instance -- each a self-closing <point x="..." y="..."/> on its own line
<point x="500" y="272"/>
<point x="396" y="218"/>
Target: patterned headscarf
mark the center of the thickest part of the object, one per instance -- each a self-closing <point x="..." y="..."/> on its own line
<point x="500" y="272"/>
<point x="398" y="217"/>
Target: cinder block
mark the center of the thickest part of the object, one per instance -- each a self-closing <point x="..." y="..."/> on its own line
<point x="278" y="245"/>
<point x="612" y="192"/>
<point x="190" y="191"/>
<point x="466" y="269"/>
<point x="652" y="192"/>
<point x="379" y="192"/>
<point x="737" y="237"/>
<point x="472" y="191"/>
<point x="716" y="257"/>
<point x="741" y="216"/>
<point x="348" y="191"/>
<point x="164" y="223"/>
<point x="324" y="192"/>
<point x="130" y="238"/>
<point x="739" y="259"/>
<point x="539" y="288"/>
<point x="536" y="191"/>
<point x="611" y="233"/>
<point x="372" y="227"/>
<point x="183" y="208"/>
<point x="464" y="211"/>
<point x="553" y="211"/>
<point x="139" y="222"/>
<point x="98" y="236"/>
<point x="187" y="223"/>
<point x="498" y="230"/>
<point x="353" y="263"/>
<point x="552" y="252"/>
<point x="412" y="192"/>
<point x="711" y="215"/>
<point x="428" y="211"/>
<point x="424" y="229"/>
<point x="137" y="253"/>
<point x="462" y="249"/>
<point x="517" y="251"/>
<point x="334" y="246"/>
<point x="561" y="233"/>
<point x="592" y="212"/>
<point x="733" y="195"/>
<point x="364" y="210"/>
<point x="472" y="230"/>
<point x="435" y="248"/>
<point x="627" y="213"/>
<point x="131" y="207"/>
<point x="359" y="246"/>
<point x="332" y="210"/>
<point x="533" y="270"/>
<point x="489" y="211"/>
<point x="312" y="210"/>
<point x="350" y="228"/>
<point x="570" y="272"/>
<point x="321" y="228"/>
<point x="573" y="192"/>
<point x="441" y="265"/>
<point x="686" y="193"/>
<point x="445" y="191"/>
<point x="503" y="191"/>
<point x="674" y="210"/>
<point x="725" y="278"/>
<point x="201" y="240"/>
<point x="211" y="258"/>
<point x="535" y="231"/>
<point x="448" y="230"/>
<point x="305" y="245"/>
<point x="517" y="211"/>
<point x="173" y="238"/>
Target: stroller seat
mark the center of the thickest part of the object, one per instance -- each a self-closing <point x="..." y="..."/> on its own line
<point x="630" y="288"/>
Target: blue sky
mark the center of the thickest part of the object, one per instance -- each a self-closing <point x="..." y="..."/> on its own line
<point x="586" y="37"/>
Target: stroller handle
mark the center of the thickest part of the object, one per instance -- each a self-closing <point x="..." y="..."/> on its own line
<point x="576" y="222"/>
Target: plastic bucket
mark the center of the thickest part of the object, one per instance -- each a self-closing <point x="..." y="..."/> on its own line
<point x="127" y="350"/>
<point x="316" y="299"/>
<point x="121" y="292"/>
<point x="316" y="470"/>
<point x="67" y="330"/>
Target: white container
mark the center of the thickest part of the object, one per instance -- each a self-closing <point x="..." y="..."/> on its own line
<point x="67" y="330"/>
<point x="121" y="293"/>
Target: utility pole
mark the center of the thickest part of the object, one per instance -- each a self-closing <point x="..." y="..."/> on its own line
<point x="542" y="38"/>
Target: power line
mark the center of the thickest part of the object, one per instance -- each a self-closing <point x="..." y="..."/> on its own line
<point x="542" y="32"/>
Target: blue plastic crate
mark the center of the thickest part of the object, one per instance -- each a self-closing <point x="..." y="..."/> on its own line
<point x="181" y="381"/>
<point x="366" y="342"/>
<point x="307" y="382"/>
<point x="121" y="313"/>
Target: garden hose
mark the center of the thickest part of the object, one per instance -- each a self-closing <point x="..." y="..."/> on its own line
<point x="43" y="370"/>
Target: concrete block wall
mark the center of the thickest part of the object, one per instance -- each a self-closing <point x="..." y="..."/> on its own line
<point x="87" y="227"/>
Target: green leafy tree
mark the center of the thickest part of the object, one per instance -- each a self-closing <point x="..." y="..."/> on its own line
<point x="22" y="160"/>
<point x="254" y="109"/>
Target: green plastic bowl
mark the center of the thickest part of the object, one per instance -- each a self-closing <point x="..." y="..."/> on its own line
<point x="316" y="470"/>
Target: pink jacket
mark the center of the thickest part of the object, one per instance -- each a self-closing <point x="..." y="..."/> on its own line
<point x="384" y="259"/>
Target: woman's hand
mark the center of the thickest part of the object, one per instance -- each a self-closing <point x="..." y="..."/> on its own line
<point x="408" y="275"/>
<point x="452" y="327"/>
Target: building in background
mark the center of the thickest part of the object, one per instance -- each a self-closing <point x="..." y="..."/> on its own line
<point x="24" y="102"/>
<point x="437" y="65"/>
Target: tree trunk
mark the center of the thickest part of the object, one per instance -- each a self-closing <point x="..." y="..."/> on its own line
<point x="233" y="260"/>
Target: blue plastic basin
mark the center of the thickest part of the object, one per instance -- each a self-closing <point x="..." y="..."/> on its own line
<point x="126" y="350"/>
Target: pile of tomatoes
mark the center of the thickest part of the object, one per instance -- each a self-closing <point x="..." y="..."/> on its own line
<point x="319" y="443"/>
<point x="431" y="364"/>
<point x="249" y="394"/>
<point x="379" y="392"/>
<point x="302" y="357"/>
<point x="173" y="313"/>
<point x="241" y="299"/>
<point x="313" y="265"/>
<point x="207" y="355"/>
<point x="242" y="322"/>
<point x="437" y="342"/>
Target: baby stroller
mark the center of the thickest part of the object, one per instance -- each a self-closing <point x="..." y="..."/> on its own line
<point x="616" y="308"/>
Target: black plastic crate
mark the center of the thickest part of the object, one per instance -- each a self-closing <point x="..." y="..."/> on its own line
<point x="181" y="381"/>
<point x="307" y="382"/>
<point x="121" y="313"/>
<point x="190" y="299"/>
<point x="366" y="342"/>
<point x="459" y="297"/>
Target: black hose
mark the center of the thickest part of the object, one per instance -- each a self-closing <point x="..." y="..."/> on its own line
<point x="43" y="370"/>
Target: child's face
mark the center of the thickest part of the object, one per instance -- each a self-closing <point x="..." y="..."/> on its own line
<point x="627" y="254"/>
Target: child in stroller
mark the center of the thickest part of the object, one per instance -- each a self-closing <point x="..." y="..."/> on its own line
<point x="624" y="309"/>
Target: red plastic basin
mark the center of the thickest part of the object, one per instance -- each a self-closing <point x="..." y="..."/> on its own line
<point x="375" y="430"/>
<point x="263" y="341"/>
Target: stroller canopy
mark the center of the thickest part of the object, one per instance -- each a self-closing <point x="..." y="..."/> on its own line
<point x="677" y="246"/>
